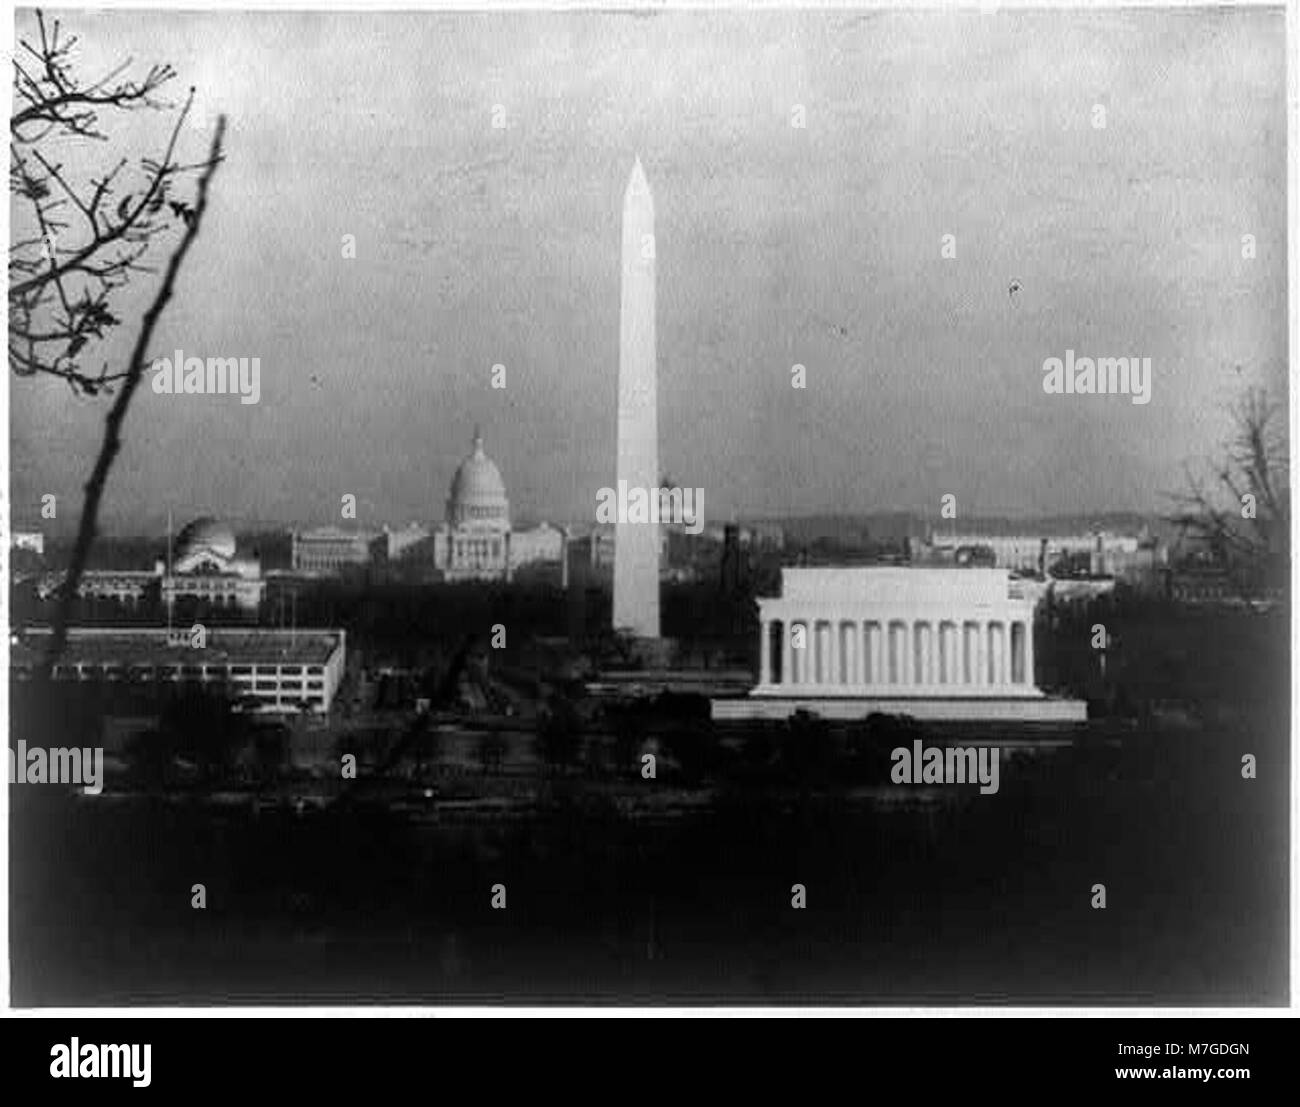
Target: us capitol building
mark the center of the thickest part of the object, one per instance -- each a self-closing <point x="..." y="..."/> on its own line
<point x="476" y="540"/>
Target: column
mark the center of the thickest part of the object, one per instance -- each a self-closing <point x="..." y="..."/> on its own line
<point x="949" y="652"/>
<point x="765" y="652"/>
<point x="923" y="653"/>
<point x="790" y="652"/>
<point x="848" y="650"/>
<point x="1029" y="653"/>
<point x="833" y="649"/>
<point x="981" y="672"/>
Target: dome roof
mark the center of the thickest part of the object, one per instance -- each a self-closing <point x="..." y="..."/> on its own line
<point x="206" y="534"/>
<point x="477" y="490"/>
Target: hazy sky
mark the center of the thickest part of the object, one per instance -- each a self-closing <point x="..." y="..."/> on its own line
<point x="775" y="245"/>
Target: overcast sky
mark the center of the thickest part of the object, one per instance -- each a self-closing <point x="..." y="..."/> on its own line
<point x="775" y="245"/>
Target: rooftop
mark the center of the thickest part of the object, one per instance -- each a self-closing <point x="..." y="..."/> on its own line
<point x="905" y="584"/>
<point x="149" y="645"/>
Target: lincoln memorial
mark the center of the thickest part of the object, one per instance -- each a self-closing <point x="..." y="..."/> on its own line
<point x="932" y="643"/>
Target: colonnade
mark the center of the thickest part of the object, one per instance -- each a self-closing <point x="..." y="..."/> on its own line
<point x="950" y="656"/>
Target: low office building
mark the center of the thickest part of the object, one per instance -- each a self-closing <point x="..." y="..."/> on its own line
<point x="266" y="670"/>
<point x="1028" y="552"/>
<point x="130" y="587"/>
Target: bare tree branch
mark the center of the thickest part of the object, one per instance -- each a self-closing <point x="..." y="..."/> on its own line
<point x="1242" y="517"/>
<point x="112" y="441"/>
<point x="61" y="282"/>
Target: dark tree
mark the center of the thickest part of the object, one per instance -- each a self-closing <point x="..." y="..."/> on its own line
<point x="1241" y="513"/>
<point x="78" y="240"/>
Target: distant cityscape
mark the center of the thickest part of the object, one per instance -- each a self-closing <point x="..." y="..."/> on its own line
<point x="457" y="750"/>
<point x="209" y="574"/>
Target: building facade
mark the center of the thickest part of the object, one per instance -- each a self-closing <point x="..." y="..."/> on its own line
<point x="329" y="551"/>
<point x="404" y="539"/>
<point x="130" y="587"/>
<point x="934" y="643"/>
<point x="476" y="541"/>
<point x="1032" y="553"/>
<point x="263" y="670"/>
<point x="205" y="568"/>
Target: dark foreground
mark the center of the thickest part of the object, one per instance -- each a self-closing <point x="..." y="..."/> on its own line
<point x="945" y="897"/>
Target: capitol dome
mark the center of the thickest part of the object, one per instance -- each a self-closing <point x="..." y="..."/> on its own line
<point x="206" y="534"/>
<point x="478" y="494"/>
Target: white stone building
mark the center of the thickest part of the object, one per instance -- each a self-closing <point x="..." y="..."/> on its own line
<point x="205" y="566"/>
<point x="476" y="541"/>
<point x="933" y="643"/>
<point x="328" y="551"/>
<point x="403" y="539"/>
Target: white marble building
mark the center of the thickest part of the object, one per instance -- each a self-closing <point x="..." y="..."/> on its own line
<point x="206" y="567"/>
<point x="477" y="541"/>
<point x="932" y="643"/>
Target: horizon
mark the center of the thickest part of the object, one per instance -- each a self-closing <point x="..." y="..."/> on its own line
<point x="1071" y="524"/>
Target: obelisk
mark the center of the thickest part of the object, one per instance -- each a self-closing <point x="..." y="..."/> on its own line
<point x="636" y="544"/>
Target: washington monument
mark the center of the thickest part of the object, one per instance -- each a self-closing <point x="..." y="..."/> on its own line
<point x="636" y="545"/>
